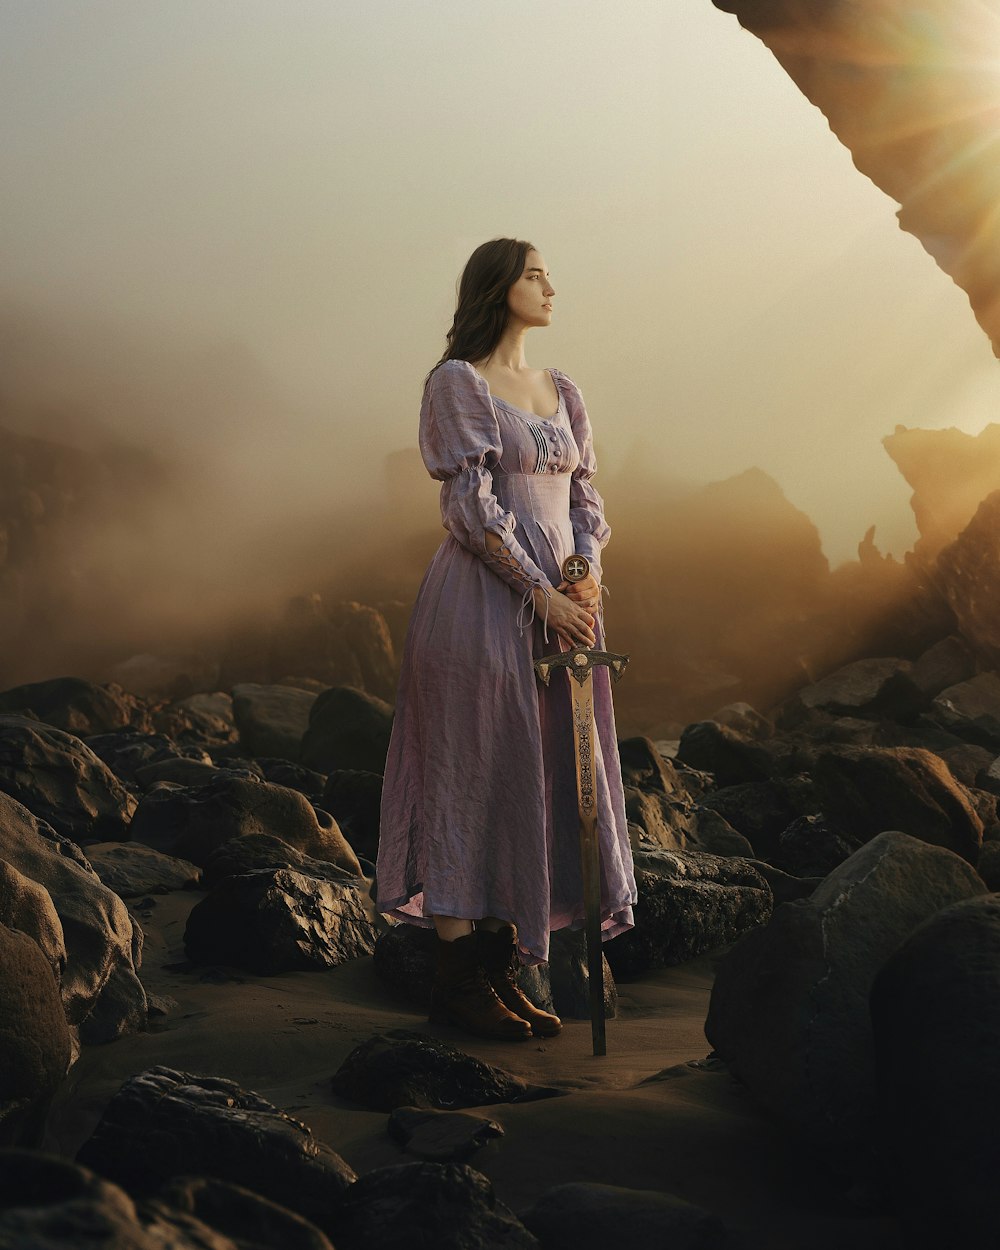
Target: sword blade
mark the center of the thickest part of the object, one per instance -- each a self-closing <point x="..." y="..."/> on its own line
<point x="590" y="855"/>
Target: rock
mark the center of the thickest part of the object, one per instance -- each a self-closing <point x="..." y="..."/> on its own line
<point x="878" y="687"/>
<point x="193" y="822"/>
<point x="347" y="729"/>
<point x="715" y="835"/>
<point x="789" y="1007"/>
<point x="27" y="906"/>
<point x="98" y="931"/>
<point x="966" y="763"/>
<point x="367" y="634"/>
<point x="989" y="865"/>
<point x="968" y="575"/>
<point x="935" y="1009"/>
<point x="249" y="1220"/>
<point x="272" y="921"/>
<point x="132" y="870"/>
<point x="126" y="750"/>
<point x="585" y="1216"/>
<point x="663" y="823"/>
<point x="35" y="1045"/>
<point x="353" y="797"/>
<point x="569" y="978"/>
<point x="452" y="1206"/>
<point x="164" y="1123"/>
<point x="254" y="851"/>
<point x="199" y="719"/>
<point x="762" y="810"/>
<point x="972" y="710"/>
<point x="784" y="887"/>
<point x="271" y="719"/>
<point x="179" y="771"/>
<point x="295" y="777"/>
<point x="864" y="791"/>
<point x="165" y="676"/>
<point x="725" y="753"/>
<point x="401" y="1068"/>
<point x="441" y="1136"/>
<point x="76" y="706"/>
<point x="644" y="767"/>
<point x="810" y="848"/>
<point x="121" y="1006"/>
<point x="62" y="782"/>
<point x="745" y="719"/>
<point x="688" y="903"/>
<point x="947" y="663"/>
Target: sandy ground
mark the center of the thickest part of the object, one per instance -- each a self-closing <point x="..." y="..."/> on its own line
<point x="690" y="1131"/>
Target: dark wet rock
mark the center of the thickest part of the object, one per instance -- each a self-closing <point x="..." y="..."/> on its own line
<point x="353" y="797"/>
<point x="865" y="791"/>
<point x="76" y="706"/>
<point x="586" y="1216"/>
<point x="789" y="1006"/>
<point x="295" y="777"/>
<point x="200" y="720"/>
<point x="271" y="719"/>
<point x="254" y="851"/>
<point x="968" y="574"/>
<point x="725" y="753"/>
<point x="121" y="1006"/>
<point x="935" y="1009"/>
<point x="966" y="762"/>
<point x="989" y="865"/>
<point x="689" y="903"/>
<point x="762" y="810"/>
<point x="126" y="750"/>
<point x="405" y="960"/>
<point x="163" y="1123"/>
<point x="989" y="778"/>
<point x="644" y="767"/>
<point x="401" y="1068"/>
<point x="452" y="1206"/>
<point x="193" y="822"/>
<point x="663" y="823"/>
<point x="810" y="848"/>
<point x="35" y="1045"/>
<point x="441" y="1136"/>
<point x="27" y="906"/>
<point x="348" y="729"/>
<point x="971" y="710"/>
<point x="131" y="869"/>
<point x="714" y="835"/>
<point x="745" y="719"/>
<point x="178" y="771"/>
<point x="784" y="887"/>
<point x="947" y="663"/>
<point x="877" y="687"/>
<point x="246" y="1218"/>
<point x="272" y="921"/>
<point x="55" y="776"/>
<point x="98" y="931"/>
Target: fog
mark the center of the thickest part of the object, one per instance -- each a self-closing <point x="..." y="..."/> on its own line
<point x="232" y="234"/>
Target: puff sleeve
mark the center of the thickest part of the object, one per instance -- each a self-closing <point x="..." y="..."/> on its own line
<point x="586" y="507"/>
<point x="460" y="445"/>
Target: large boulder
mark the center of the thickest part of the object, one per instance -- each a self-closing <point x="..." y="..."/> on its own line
<point x="971" y="710"/>
<point x="63" y="782"/>
<point x="874" y="687"/>
<point x="586" y="1216"/>
<point x="401" y="1068"/>
<point x="688" y="903"/>
<point x="273" y="921"/>
<point x="968" y="574"/>
<point x="271" y="719"/>
<point x="347" y="729"/>
<point x="935" y="1009"/>
<point x="864" y="791"/>
<point x="244" y="1218"/>
<point x="452" y="1205"/>
<point x="76" y="706"/>
<point x="192" y="822"/>
<point x="35" y="1046"/>
<point x="254" y="851"/>
<point x="127" y="750"/>
<point x="164" y="1123"/>
<point x="199" y="719"/>
<point x="353" y="797"/>
<point x="133" y="870"/>
<point x="789" y="1006"/>
<point x="99" y="933"/>
<point x="26" y="905"/>
<point x="724" y="752"/>
<point x="762" y="810"/>
<point x="945" y="664"/>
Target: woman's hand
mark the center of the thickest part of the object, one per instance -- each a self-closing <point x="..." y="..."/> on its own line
<point x="586" y="592"/>
<point x="573" y="623"/>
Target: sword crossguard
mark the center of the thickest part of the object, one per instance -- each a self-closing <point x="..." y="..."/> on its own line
<point x="580" y="662"/>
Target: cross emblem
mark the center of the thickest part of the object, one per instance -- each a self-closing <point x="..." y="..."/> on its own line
<point x="575" y="568"/>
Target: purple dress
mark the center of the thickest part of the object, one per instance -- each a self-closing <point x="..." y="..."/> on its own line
<point x="479" y="807"/>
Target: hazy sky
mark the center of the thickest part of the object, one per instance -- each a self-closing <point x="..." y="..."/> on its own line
<point x="282" y="194"/>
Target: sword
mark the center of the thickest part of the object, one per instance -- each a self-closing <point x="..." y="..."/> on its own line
<point x="579" y="663"/>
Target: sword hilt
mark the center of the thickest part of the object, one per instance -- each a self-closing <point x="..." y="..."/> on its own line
<point x="580" y="661"/>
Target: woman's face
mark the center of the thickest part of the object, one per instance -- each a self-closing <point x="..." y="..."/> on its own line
<point x="530" y="298"/>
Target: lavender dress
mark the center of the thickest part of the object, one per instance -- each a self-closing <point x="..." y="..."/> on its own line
<point x="479" y="808"/>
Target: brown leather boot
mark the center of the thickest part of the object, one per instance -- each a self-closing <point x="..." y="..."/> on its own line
<point x="499" y="956"/>
<point x="464" y="997"/>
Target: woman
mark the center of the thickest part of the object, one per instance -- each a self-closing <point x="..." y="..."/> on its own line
<point x="480" y="825"/>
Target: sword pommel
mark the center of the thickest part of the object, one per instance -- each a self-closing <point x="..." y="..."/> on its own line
<point x="580" y="661"/>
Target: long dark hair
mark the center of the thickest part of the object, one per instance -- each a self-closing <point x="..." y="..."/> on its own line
<point x="481" y="314"/>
